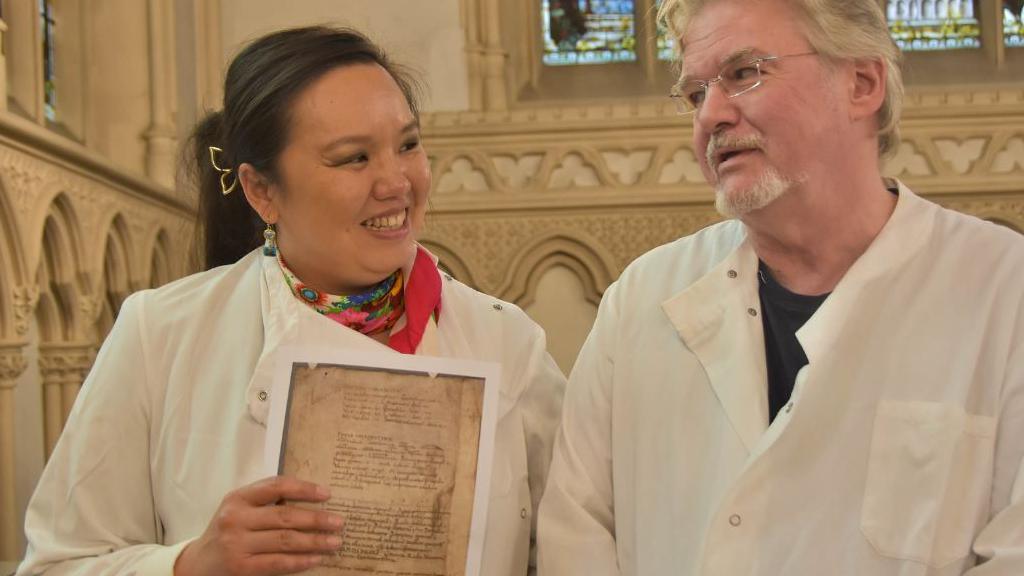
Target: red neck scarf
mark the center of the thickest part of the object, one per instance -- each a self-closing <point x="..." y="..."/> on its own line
<point x="422" y="300"/>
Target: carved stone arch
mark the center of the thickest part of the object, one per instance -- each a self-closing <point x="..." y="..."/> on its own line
<point x="53" y="201"/>
<point x="478" y="174"/>
<point x="65" y="314"/>
<point x="574" y="168"/>
<point x="117" y="274"/>
<point x="160" y="269"/>
<point x="595" y="270"/>
<point x="15" y="301"/>
<point x="59" y="275"/>
<point x="450" y="262"/>
<point x="135" y="238"/>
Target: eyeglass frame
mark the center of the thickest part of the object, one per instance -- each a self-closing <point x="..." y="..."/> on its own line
<point x="682" y="101"/>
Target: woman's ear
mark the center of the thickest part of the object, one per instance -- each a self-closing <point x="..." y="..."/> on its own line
<point x="868" y="89"/>
<point x="259" y="191"/>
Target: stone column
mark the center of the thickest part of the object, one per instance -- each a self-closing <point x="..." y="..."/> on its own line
<point x="474" y="53"/>
<point x="3" y="66"/>
<point x="161" y="143"/>
<point x="63" y="367"/>
<point x="494" y="59"/>
<point x="12" y="364"/>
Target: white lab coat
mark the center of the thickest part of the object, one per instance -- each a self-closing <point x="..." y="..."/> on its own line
<point x="901" y="447"/>
<point x="172" y="417"/>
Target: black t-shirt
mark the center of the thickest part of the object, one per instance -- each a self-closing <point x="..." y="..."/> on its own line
<point x="782" y="314"/>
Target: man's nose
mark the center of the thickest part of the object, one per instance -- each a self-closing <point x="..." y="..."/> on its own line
<point x="717" y="110"/>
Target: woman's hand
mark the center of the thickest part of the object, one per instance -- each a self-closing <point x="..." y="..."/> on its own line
<point x="250" y="535"/>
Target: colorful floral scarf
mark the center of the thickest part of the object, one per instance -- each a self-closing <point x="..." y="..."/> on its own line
<point x="372" y="312"/>
<point x="379" y="308"/>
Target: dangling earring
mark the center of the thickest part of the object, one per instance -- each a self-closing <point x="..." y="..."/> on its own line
<point x="269" y="241"/>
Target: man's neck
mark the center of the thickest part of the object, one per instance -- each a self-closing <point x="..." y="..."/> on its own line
<point x="811" y="236"/>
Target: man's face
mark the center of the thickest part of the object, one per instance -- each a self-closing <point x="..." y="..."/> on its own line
<point x="756" y="146"/>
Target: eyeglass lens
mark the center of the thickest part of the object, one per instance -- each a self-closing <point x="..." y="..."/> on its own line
<point x="734" y="79"/>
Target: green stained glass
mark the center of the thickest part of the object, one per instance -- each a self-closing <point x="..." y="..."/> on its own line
<point x="1013" y="23"/>
<point x="588" y="31"/>
<point x="664" y="40"/>
<point x="933" y="24"/>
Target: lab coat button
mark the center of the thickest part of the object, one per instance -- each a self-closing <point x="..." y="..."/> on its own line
<point x="262" y="395"/>
<point x="448" y="277"/>
<point x="735" y="520"/>
<point x="789" y="407"/>
<point x="497" y="307"/>
<point x="522" y="513"/>
<point x="751" y="311"/>
<point x="731" y="273"/>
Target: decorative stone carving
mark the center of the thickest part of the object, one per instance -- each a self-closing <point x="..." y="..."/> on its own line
<point x="628" y="166"/>
<point x="20" y="181"/>
<point x="517" y="172"/>
<point x="683" y="166"/>
<point x="908" y="161"/>
<point x="575" y="172"/>
<point x="487" y="245"/>
<point x="64" y="364"/>
<point x="462" y="175"/>
<point x="91" y="306"/>
<point x="1010" y="158"/>
<point x="30" y="180"/>
<point x="961" y="154"/>
<point x="12" y="364"/>
<point x="25" y="300"/>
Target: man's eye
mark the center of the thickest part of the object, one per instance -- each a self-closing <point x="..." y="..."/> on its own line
<point x="696" y="95"/>
<point x="743" y="73"/>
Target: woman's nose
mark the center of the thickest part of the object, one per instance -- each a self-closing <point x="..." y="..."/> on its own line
<point x="391" y="179"/>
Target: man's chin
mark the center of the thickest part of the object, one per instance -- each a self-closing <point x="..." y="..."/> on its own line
<point x="739" y="200"/>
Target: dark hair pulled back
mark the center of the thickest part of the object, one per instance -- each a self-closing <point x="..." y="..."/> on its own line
<point x="261" y="84"/>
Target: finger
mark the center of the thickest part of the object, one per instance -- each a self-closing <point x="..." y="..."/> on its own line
<point x="291" y="542"/>
<point x="276" y="488"/>
<point x="273" y="564"/>
<point x="290" y="517"/>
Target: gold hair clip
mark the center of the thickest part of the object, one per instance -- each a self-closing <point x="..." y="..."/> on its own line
<point x="224" y="172"/>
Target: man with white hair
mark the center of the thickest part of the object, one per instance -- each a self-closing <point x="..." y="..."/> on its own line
<point x="831" y="382"/>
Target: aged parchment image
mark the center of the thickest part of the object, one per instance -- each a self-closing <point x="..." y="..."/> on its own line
<point x="400" y="450"/>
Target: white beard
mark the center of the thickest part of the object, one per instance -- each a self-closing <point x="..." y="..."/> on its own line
<point x="740" y="202"/>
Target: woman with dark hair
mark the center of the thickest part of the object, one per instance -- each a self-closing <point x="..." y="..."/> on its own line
<point x="313" y="187"/>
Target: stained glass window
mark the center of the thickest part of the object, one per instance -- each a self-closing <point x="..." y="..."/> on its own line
<point x="46" y="22"/>
<point x="1013" y="22"/>
<point x="933" y="24"/>
<point x="664" y="41"/>
<point x="588" y="31"/>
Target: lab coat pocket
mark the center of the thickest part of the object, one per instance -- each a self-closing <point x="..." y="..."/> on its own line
<point x="928" y="481"/>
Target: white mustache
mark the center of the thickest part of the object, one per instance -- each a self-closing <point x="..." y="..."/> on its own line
<point x="719" y="141"/>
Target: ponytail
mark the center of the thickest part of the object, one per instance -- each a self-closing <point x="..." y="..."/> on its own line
<point x="227" y="227"/>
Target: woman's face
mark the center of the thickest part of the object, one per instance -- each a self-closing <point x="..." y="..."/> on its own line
<point x="352" y="181"/>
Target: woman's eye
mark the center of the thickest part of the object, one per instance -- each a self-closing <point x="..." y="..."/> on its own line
<point x="354" y="159"/>
<point x="410" y="145"/>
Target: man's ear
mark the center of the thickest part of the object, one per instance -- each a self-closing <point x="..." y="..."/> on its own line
<point x="868" y="88"/>
<point x="259" y="192"/>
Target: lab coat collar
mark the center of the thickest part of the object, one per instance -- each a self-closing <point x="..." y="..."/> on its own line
<point x="718" y="319"/>
<point x="903" y="235"/>
<point x="718" y="316"/>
